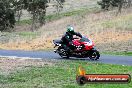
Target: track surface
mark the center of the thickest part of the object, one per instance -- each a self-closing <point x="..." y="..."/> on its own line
<point x="121" y="60"/>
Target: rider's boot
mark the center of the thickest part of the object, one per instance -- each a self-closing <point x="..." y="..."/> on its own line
<point x="55" y="51"/>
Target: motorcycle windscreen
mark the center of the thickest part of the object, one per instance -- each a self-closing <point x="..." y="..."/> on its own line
<point x="84" y="39"/>
<point x="87" y="41"/>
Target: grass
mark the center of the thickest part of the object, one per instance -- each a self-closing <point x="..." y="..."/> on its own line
<point x="121" y="22"/>
<point x="23" y="22"/>
<point x="118" y="53"/>
<point x="62" y="75"/>
<point x="28" y="34"/>
<point x="53" y="17"/>
<point x="81" y="11"/>
<point x="25" y="35"/>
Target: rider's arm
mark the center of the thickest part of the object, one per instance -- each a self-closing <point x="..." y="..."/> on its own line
<point x="69" y="40"/>
<point x="66" y="38"/>
<point x="78" y="34"/>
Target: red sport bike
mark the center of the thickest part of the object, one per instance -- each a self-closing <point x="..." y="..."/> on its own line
<point x="84" y="48"/>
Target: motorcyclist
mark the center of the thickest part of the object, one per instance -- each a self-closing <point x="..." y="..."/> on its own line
<point x="68" y="37"/>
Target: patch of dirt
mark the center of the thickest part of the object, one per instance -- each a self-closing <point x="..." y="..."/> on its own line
<point x="8" y="65"/>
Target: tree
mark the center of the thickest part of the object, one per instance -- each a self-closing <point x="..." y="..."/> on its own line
<point x="59" y="5"/>
<point x="10" y="8"/>
<point x="38" y="10"/>
<point x="107" y="4"/>
<point x="18" y="6"/>
<point x="7" y="16"/>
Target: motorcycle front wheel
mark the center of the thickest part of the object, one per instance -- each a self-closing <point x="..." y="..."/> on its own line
<point x="94" y="55"/>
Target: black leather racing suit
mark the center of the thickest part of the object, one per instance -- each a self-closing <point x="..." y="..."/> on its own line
<point x="67" y="40"/>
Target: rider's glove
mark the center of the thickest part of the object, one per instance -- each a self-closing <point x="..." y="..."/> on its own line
<point x="71" y="43"/>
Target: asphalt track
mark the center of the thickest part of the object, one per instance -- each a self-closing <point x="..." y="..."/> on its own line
<point x="120" y="60"/>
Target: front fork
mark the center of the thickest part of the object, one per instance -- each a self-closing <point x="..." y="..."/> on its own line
<point x="94" y="48"/>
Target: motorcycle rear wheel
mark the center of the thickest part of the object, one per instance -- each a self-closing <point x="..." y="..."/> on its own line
<point x="64" y="56"/>
<point x="63" y="53"/>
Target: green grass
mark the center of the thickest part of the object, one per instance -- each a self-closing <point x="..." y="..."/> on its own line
<point x="62" y="75"/>
<point x="18" y="36"/>
<point x="23" y="22"/>
<point x="28" y="34"/>
<point x="81" y="11"/>
<point x="53" y="17"/>
<point x="118" y="53"/>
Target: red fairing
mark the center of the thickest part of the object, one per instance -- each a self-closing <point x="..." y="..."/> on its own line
<point x="88" y="43"/>
<point x="76" y="42"/>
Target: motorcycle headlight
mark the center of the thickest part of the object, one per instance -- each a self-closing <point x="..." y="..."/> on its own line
<point x="58" y="44"/>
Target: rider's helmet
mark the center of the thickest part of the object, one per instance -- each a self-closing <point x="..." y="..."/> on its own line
<point x="70" y="29"/>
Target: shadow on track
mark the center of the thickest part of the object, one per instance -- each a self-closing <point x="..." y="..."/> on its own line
<point x="80" y="59"/>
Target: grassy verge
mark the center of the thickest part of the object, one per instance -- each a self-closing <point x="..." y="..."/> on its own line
<point x="62" y="75"/>
<point x="118" y="53"/>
